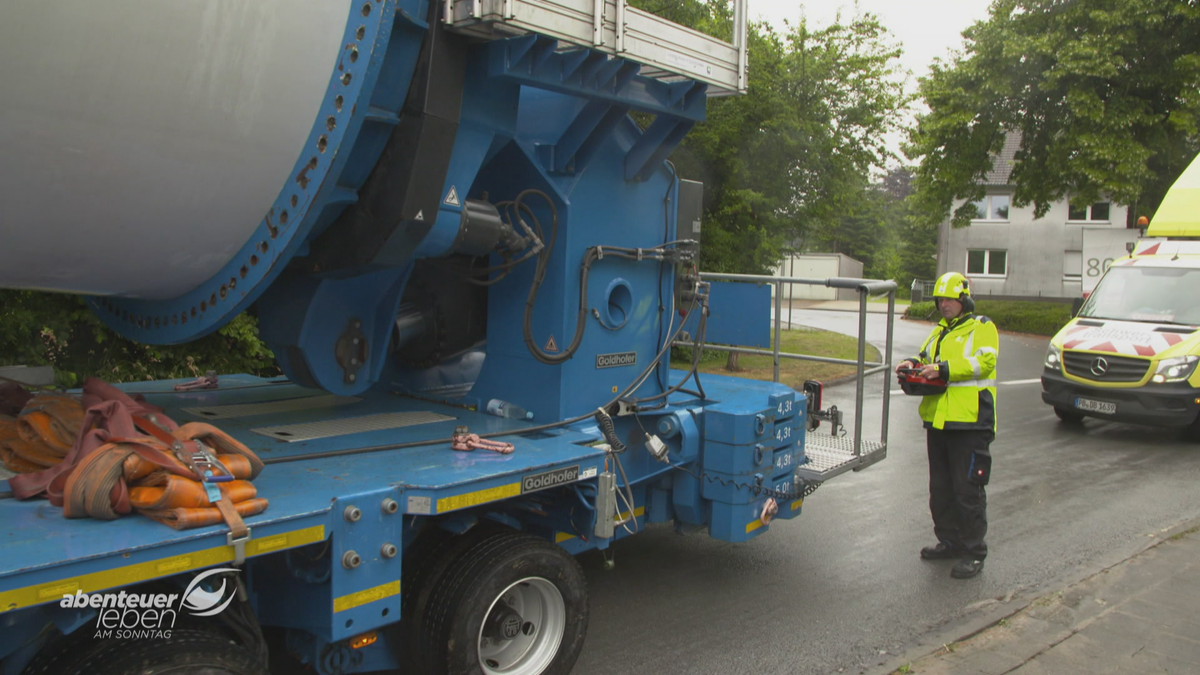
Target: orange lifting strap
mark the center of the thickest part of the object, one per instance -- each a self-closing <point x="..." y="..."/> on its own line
<point x="124" y="455"/>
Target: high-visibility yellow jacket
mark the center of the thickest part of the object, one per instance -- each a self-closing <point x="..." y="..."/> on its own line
<point x="966" y="348"/>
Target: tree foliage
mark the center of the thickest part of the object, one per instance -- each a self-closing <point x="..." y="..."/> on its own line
<point x="1105" y="95"/>
<point x="51" y="329"/>
<point x="878" y="230"/>
<point x="785" y="160"/>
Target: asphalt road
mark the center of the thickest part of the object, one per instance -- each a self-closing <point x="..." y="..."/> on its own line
<point x="841" y="587"/>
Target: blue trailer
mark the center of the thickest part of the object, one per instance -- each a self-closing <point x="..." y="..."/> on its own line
<point x="458" y="207"/>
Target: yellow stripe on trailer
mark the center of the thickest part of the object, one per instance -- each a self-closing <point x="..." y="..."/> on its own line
<point x="637" y="513"/>
<point x="152" y="569"/>
<point x="365" y="597"/>
<point x="478" y="497"/>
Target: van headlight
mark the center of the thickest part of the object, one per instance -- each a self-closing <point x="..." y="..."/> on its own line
<point x="1175" y="369"/>
<point x="1054" y="358"/>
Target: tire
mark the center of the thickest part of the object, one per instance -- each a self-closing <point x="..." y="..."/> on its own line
<point x="431" y="557"/>
<point x="1068" y="416"/>
<point x="1192" y="431"/>
<point x="186" y="652"/>
<point x="510" y="604"/>
<point x="64" y="653"/>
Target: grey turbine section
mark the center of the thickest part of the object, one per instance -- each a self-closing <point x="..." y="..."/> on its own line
<point x="142" y="142"/>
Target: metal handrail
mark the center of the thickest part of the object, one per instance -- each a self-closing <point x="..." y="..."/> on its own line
<point x="865" y="288"/>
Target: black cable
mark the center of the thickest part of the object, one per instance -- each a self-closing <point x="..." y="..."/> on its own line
<point x="497" y="434"/>
<point x="663" y="377"/>
<point x="539" y="276"/>
<point x="697" y="352"/>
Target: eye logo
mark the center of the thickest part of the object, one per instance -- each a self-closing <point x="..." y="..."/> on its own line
<point x="202" y="602"/>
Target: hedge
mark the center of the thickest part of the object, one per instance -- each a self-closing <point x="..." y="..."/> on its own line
<point x="1037" y="318"/>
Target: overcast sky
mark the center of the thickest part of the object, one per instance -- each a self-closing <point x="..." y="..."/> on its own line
<point x="925" y="28"/>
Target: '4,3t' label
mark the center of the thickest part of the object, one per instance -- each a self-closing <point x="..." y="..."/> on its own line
<point x="783" y="434"/>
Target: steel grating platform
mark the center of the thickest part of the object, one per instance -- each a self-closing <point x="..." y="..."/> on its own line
<point x="829" y="456"/>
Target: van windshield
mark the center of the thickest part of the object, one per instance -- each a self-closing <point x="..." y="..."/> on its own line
<point x="1151" y="294"/>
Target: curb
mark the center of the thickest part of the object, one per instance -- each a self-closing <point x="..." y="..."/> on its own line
<point x="1009" y="606"/>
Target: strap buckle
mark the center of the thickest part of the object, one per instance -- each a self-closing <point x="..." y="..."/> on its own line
<point x="204" y="464"/>
<point x="239" y="545"/>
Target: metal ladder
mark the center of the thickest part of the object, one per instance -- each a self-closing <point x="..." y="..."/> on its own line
<point x="666" y="50"/>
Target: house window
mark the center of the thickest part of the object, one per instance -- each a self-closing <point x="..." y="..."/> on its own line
<point x="1095" y="212"/>
<point x="992" y="207"/>
<point x="1072" y="265"/>
<point x="992" y="263"/>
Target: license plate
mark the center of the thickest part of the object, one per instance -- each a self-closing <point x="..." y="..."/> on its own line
<point x="1102" y="407"/>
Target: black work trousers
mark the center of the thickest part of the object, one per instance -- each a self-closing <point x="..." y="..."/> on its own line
<point x="958" y="506"/>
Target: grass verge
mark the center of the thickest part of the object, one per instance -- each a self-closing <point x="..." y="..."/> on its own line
<point x="792" y="372"/>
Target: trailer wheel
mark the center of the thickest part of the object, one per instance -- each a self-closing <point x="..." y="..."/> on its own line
<point x="187" y="651"/>
<point x="513" y="604"/>
<point x="1068" y="416"/>
<point x="63" y="653"/>
<point x="425" y="564"/>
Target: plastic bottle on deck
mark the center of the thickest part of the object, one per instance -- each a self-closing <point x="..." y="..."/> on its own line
<point x="505" y="409"/>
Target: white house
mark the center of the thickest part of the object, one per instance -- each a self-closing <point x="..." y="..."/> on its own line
<point x="1005" y="252"/>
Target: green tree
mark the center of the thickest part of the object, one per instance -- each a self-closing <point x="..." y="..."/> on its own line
<point x="875" y="229"/>
<point x="916" y="238"/>
<point x="1105" y="95"/>
<point x="861" y="232"/>
<point x="40" y="329"/>
<point x="794" y="153"/>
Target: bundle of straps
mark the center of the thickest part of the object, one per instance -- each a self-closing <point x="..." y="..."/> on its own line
<point x="42" y="432"/>
<point x="110" y="454"/>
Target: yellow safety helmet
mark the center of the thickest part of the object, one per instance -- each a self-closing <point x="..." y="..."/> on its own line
<point x="954" y="286"/>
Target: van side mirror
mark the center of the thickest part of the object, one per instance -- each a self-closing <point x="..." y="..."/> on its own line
<point x="1076" y="305"/>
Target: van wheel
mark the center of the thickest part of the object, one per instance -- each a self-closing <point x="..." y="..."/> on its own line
<point x="1192" y="431"/>
<point x="1068" y="416"/>
<point x="514" y="604"/>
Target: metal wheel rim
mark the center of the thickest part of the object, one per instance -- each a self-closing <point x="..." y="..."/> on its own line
<point x="539" y="603"/>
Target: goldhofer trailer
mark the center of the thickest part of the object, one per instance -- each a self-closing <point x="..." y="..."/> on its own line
<point x="435" y="209"/>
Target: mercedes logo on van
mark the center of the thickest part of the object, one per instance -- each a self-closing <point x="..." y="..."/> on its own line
<point x="1099" y="366"/>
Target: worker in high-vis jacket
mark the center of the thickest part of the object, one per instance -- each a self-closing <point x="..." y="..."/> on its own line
<point x="960" y="424"/>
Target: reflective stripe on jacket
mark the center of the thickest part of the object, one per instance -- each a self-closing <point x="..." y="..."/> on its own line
<point x="967" y="349"/>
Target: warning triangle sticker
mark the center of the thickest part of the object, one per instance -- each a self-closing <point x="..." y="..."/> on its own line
<point x="551" y="345"/>
<point x="420" y="215"/>
<point x="452" y="197"/>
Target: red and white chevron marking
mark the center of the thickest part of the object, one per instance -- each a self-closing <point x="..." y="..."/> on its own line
<point x="1128" y="339"/>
